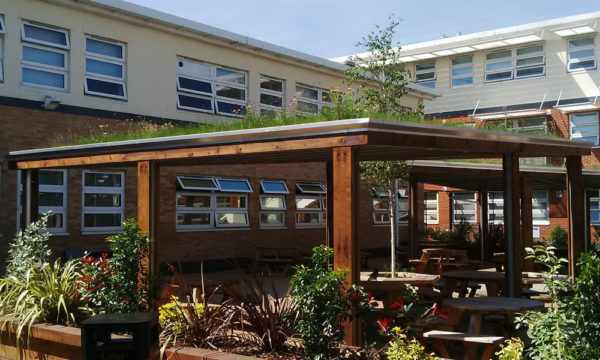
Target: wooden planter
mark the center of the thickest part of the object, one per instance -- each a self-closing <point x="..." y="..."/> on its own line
<point x="57" y="342"/>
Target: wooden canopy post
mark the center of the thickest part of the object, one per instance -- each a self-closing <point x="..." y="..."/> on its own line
<point x="148" y="196"/>
<point x="30" y="198"/>
<point x="575" y="210"/>
<point x="526" y="219"/>
<point x="329" y="212"/>
<point x="483" y="229"/>
<point x="414" y="219"/>
<point x="345" y="218"/>
<point x="588" y="222"/>
<point x="512" y="221"/>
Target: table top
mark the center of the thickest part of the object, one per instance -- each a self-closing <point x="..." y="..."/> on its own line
<point x="474" y="275"/>
<point x="443" y="250"/>
<point x="493" y="304"/>
<point x="402" y="277"/>
<point x="111" y="319"/>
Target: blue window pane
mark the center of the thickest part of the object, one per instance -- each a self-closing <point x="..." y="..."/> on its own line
<point x="45" y="35"/>
<point x="44" y="78"/>
<point x="595" y="217"/>
<point x="462" y="71"/>
<point x="429" y="84"/>
<point x="228" y="108"/>
<point x="105" y="87"/>
<point x="499" y="76"/>
<point x="234" y="185"/>
<point x="530" y="72"/>
<point x="195" y="85"/>
<point x="43" y="56"/>
<point x="498" y="66"/>
<point x="104" y="68"/>
<point x="589" y="64"/>
<point x="231" y="76"/>
<point x="195" y="102"/>
<point x="274" y="186"/>
<point x="463" y="81"/>
<point x="581" y="54"/>
<point x="104" y="48"/>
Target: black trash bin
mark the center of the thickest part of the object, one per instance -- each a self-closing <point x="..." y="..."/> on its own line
<point x="120" y="337"/>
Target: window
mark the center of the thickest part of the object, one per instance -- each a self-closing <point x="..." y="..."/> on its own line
<point x="210" y="89"/>
<point x="431" y="208"/>
<point x="462" y="71"/>
<point x="381" y="206"/>
<point x="582" y="54"/>
<point x="311" y="204"/>
<point x="310" y="100"/>
<point x="44" y="57"/>
<point x="540" y="207"/>
<point x="105" y="68"/>
<point x="465" y="208"/>
<point x="215" y="203"/>
<point x="517" y="63"/>
<point x="103" y="201"/>
<point x="495" y="207"/>
<point x="594" y="207"/>
<point x="2" y="31"/>
<point x="584" y="127"/>
<point x="425" y="73"/>
<point x="271" y="95"/>
<point x="272" y="203"/>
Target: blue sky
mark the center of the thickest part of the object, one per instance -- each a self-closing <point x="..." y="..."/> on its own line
<point x="332" y="28"/>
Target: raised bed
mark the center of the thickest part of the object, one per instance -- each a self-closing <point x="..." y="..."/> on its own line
<point x="56" y="342"/>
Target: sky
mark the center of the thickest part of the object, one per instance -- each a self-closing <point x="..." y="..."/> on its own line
<point x="331" y="28"/>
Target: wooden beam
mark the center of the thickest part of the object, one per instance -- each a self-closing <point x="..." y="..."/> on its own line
<point x="413" y="224"/>
<point x="31" y="188"/>
<point x="329" y="212"/>
<point x="345" y="218"/>
<point x="526" y="219"/>
<point x="147" y="205"/>
<point x="483" y="225"/>
<point x="512" y="228"/>
<point x="588" y="225"/>
<point x="199" y="152"/>
<point x="575" y="210"/>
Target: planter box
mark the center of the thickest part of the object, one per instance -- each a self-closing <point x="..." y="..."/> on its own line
<point x="56" y="342"/>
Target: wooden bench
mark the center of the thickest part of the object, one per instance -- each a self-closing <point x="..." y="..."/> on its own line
<point x="489" y="342"/>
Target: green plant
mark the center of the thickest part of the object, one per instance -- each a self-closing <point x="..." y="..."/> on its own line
<point x="549" y="331"/>
<point x="46" y="293"/>
<point x="29" y="249"/>
<point x="511" y="349"/>
<point x="558" y="238"/>
<point x="401" y="348"/>
<point x="129" y="287"/>
<point x="585" y="308"/>
<point x="322" y="304"/>
<point x="170" y="317"/>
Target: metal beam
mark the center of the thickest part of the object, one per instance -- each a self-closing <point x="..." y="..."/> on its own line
<point x="512" y="228"/>
<point x="30" y="197"/>
<point x="483" y="229"/>
<point x="526" y="219"/>
<point x="414" y="219"/>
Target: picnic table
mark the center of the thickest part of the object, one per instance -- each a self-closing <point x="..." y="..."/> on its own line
<point x="476" y="307"/>
<point x="435" y="260"/>
<point x="386" y="289"/>
<point x="276" y="256"/>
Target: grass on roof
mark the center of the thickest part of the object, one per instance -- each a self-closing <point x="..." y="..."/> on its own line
<point x="132" y="130"/>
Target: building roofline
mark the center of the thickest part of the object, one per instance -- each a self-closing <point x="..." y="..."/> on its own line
<point x="472" y="38"/>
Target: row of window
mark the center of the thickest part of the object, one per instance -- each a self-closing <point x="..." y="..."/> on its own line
<point x="200" y="87"/>
<point x="509" y="64"/>
<point x="464" y="208"/>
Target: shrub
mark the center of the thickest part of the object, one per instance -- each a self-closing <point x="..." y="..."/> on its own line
<point x="95" y="272"/>
<point x="322" y="304"/>
<point x="29" y="249"/>
<point x="170" y="317"/>
<point x="400" y="348"/>
<point x="558" y="238"/>
<point x="44" y="294"/>
<point x="511" y="349"/>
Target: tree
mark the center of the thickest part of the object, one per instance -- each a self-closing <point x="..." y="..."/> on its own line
<point x="381" y="79"/>
<point x="384" y="174"/>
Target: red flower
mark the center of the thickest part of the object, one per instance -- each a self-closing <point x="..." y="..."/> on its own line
<point x="384" y="323"/>
<point x="399" y="304"/>
<point x="439" y="312"/>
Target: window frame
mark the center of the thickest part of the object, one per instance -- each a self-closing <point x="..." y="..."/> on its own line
<point x="426" y="71"/>
<point x="107" y="59"/>
<point x="243" y="210"/>
<point x="547" y="208"/>
<point x="195" y="210"/>
<point x="218" y="179"/>
<point x="271" y="93"/>
<point x="49" y="47"/>
<point x="102" y="210"/>
<point x="56" y="209"/>
<point x="282" y="182"/>
<point x="591" y="122"/>
<point x="461" y="66"/>
<point x="319" y="101"/>
<point x="499" y="200"/>
<point x="437" y="208"/>
<point x="514" y="69"/>
<point x="311" y="194"/>
<point x="302" y="183"/>
<point x="273" y="193"/>
<point x="474" y="212"/>
<point x="594" y="57"/>
<point x="194" y="188"/>
<point x="594" y="199"/>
